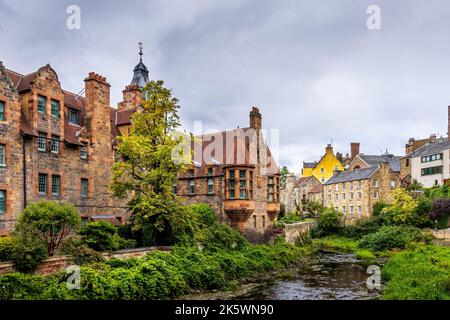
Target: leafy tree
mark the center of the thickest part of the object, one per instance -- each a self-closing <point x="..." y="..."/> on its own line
<point x="414" y="186"/>
<point x="378" y="207"/>
<point x="440" y="210"/>
<point x="401" y="208"/>
<point x="103" y="236"/>
<point x="48" y="222"/>
<point x="328" y="222"/>
<point x="284" y="173"/>
<point x="315" y="208"/>
<point x="152" y="162"/>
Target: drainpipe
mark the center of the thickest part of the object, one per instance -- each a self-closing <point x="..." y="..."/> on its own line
<point x="24" y="170"/>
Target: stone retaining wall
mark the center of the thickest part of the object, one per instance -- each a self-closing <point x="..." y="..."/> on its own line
<point x="293" y="231"/>
<point x="57" y="263"/>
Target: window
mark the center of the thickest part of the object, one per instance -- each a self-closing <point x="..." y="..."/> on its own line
<point x="41" y="141"/>
<point x="433" y="157"/>
<point x="407" y="162"/>
<point x="243" y="184"/>
<point x="351" y="195"/>
<point x="263" y="219"/>
<point x="54" y="147"/>
<point x="323" y="180"/>
<point x="231" y="184"/>
<point x="84" y="188"/>
<point x="375" y="183"/>
<point x="191" y="182"/>
<point x="343" y="209"/>
<point x="42" y="184"/>
<point x="359" y="195"/>
<point x="254" y="221"/>
<point x="2" y="155"/>
<point x="270" y="189"/>
<point x="336" y="187"/>
<point x="175" y="186"/>
<point x="392" y="184"/>
<point x="2" y="111"/>
<point x="55" y="108"/>
<point x="431" y="171"/>
<point x="343" y="196"/>
<point x="251" y="184"/>
<point x="210" y="185"/>
<point x="343" y="185"/>
<point x="56" y="185"/>
<point x="83" y="153"/>
<point x="336" y="197"/>
<point x="73" y="116"/>
<point x="375" y="194"/>
<point x="351" y="209"/>
<point x="359" y="184"/>
<point x="210" y="171"/>
<point x="2" y="201"/>
<point x="359" y="209"/>
<point x="42" y="104"/>
<point x="351" y="185"/>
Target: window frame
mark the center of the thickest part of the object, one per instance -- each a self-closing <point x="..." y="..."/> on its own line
<point x="2" y="110"/>
<point x="84" y="188"/>
<point x="58" y="178"/>
<point x="54" y="147"/>
<point x="70" y="113"/>
<point x="2" y="155"/>
<point x="42" y="182"/>
<point x="52" y="109"/>
<point x="40" y="105"/>
<point x="85" y="153"/>
<point x="42" y="141"/>
<point x="3" y="202"/>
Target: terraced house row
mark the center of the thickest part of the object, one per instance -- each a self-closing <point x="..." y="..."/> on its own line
<point x="57" y="145"/>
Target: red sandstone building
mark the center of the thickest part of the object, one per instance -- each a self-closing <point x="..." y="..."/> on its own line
<point x="57" y="145"/>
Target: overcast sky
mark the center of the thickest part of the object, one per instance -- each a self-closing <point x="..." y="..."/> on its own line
<point x="314" y="69"/>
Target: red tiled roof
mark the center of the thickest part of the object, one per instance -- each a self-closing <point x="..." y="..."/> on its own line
<point x="21" y="82"/>
<point x="25" y="126"/>
<point x="316" y="189"/>
<point x="123" y="117"/>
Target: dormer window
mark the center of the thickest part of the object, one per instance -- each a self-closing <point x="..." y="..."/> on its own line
<point x="73" y="116"/>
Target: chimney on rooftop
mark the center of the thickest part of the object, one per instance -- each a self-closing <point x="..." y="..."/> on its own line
<point x="255" y="119"/>
<point x="354" y="149"/>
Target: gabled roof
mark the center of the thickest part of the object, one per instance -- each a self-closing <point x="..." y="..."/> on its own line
<point x="375" y="160"/>
<point x="317" y="189"/>
<point x="431" y="148"/>
<point x="352" y="175"/>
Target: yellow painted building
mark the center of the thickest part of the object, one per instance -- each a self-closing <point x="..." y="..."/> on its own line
<point x="324" y="169"/>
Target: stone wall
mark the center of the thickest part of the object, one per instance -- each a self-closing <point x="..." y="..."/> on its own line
<point x="55" y="264"/>
<point x="293" y="231"/>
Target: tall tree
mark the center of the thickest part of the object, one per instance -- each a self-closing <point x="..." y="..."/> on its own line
<point x="284" y="172"/>
<point x="149" y="169"/>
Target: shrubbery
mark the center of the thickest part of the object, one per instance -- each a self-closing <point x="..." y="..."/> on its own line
<point x="328" y="223"/>
<point x="102" y="236"/>
<point x="390" y="237"/>
<point x="6" y="248"/>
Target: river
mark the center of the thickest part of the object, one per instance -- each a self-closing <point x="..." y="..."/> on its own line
<point x="322" y="277"/>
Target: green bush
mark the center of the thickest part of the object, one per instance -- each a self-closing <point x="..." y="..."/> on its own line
<point x="363" y="227"/>
<point x="28" y="253"/>
<point x="80" y="253"/>
<point x="6" y="248"/>
<point x="205" y="212"/>
<point x="222" y="237"/>
<point x="102" y="236"/>
<point x="390" y="237"/>
<point x="420" y="217"/>
<point x="378" y="208"/>
<point x="328" y="223"/>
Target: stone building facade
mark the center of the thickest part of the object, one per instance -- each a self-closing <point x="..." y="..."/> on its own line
<point x="355" y="192"/>
<point x="234" y="172"/>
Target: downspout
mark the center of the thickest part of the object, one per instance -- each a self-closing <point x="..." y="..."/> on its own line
<point x="24" y="170"/>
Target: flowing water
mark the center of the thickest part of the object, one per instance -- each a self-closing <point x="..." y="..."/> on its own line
<point x="324" y="277"/>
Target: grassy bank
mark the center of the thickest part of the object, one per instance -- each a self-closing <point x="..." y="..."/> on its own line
<point x="422" y="273"/>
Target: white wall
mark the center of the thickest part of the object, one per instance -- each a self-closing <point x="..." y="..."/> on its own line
<point x="429" y="181"/>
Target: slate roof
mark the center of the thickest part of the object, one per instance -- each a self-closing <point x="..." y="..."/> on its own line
<point x="352" y="175"/>
<point x="431" y="148"/>
<point x="316" y="189"/>
<point x="309" y="164"/>
<point x="374" y="160"/>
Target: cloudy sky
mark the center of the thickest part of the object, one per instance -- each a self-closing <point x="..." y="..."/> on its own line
<point x="314" y="69"/>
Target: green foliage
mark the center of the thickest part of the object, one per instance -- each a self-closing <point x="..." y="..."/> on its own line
<point x="439" y="192"/>
<point x="328" y="223"/>
<point x="221" y="237"/>
<point x="27" y="252"/>
<point x="153" y="159"/>
<point x="401" y="209"/>
<point x="419" y="274"/>
<point x="6" y="248"/>
<point x="420" y="217"/>
<point x="288" y="218"/>
<point x="440" y="212"/>
<point x="283" y="174"/>
<point x="80" y="252"/>
<point x="314" y="208"/>
<point x="378" y="208"/>
<point x="102" y="236"/>
<point x="390" y="237"/>
<point x="49" y="222"/>
<point x="205" y="213"/>
<point x="363" y="227"/>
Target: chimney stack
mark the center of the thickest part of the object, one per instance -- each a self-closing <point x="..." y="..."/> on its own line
<point x="255" y="119"/>
<point x="354" y="149"/>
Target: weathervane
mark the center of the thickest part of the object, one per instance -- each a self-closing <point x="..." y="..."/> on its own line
<point x="140" y="50"/>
